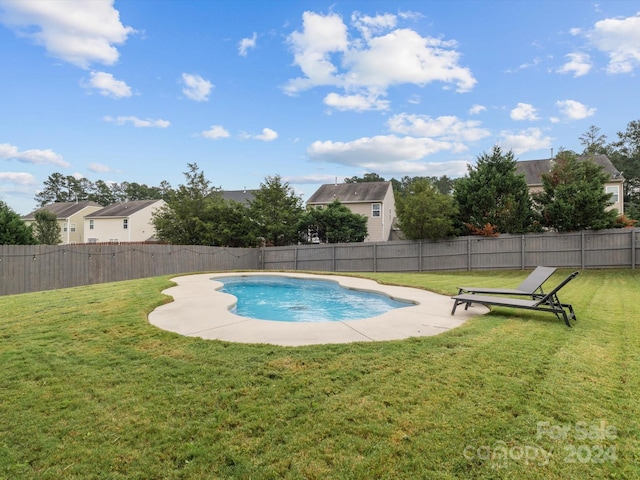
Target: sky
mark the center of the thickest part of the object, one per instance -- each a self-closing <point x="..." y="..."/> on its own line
<point x="313" y="91"/>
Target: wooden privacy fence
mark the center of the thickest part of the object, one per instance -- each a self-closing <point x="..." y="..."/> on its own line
<point x="32" y="268"/>
<point x="588" y="249"/>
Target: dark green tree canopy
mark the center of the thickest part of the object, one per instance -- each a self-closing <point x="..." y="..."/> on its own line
<point x="275" y="211"/>
<point x="494" y="193"/>
<point x="367" y="177"/>
<point x="574" y="197"/>
<point x="334" y="223"/>
<point x="13" y="230"/>
<point x="46" y="229"/>
<point x="190" y="212"/>
<point x="61" y="188"/>
<point x="425" y="212"/>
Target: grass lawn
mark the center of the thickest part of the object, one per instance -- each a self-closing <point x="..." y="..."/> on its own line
<point x="90" y="390"/>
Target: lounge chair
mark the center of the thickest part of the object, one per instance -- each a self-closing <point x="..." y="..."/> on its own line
<point x="546" y="303"/>
<point x="531" y="286"/>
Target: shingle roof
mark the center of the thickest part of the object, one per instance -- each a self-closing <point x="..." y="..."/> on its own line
<point x="123" y="209"/>
<point x="62" y="209"/>
<point x="350" y="192"/>
<point x="240" y="196"/>
<point x="533" y="169"/>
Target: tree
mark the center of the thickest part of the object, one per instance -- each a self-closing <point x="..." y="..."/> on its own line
<point x="333" y="224"/>
<point x="626" y="158"/>
<point x="594" y="143"/>
<point x="13" y="231"/>
<point x="189" y="216"/>
<point x="46" y="229"/>
<point x="233" y="227"/>
<point x="425" y="212"/>
<point x="574" y="197"/>
<point x="367" y="177"/>
<point x="275" y="211"/>
<point x="403" y="186"/>
<point x="494" y="195"/>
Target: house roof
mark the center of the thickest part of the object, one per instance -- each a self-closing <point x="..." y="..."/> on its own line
<point x="533" y="169"/>
<point x="240" y="196"/>
<point x="365" y="192"/>
<point x="123" y="209"/>
<point x="62" y="209"/>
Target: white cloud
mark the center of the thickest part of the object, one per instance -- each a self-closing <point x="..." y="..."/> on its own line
<point x="98" y="168"/>
<point x="18" y="178"/>
<point x="76" y="31"/>
<point x="267" y="135"/>
<point x="35" y="157"/>
<point x="246" y="43"/>
<point x="619" y="38"/>
<point x="196" y="88"/>
<point x="524" y="111"/>
<point x="523" y="141"/>
<point x="579" y="64"/>
<point x="358" y="102"/>
<point x="138" y="122"/>
<point x="388" y="155"/>
<point x="376" y="152"/>
<point x="369" y="26"/>
<point x="329" y="56"/>
<point x="215" y="132"/>
<point x="449" y="128"/>
<point x="476" y="109"/>
<point x="573" y="110"/>
<point x="107" y="85"/>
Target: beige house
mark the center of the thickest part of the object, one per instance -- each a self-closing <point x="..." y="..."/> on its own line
<point x="70" y="217"/>
<point x="533" y="170"/>
<point x="374" y="200"/>
<point x="122" y="222"/>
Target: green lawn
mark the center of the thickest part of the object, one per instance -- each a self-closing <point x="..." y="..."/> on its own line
<point x="88" y="390"/>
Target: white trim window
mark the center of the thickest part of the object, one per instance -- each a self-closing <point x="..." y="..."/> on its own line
<point x="615" y="193"/>
<point x="91" y="225"/>
<point x="125" y="223"/>
<point x="376" y="209"/>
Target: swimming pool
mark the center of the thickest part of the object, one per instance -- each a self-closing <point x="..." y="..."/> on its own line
<point x="200" y="309"/>
<point x="288" y="299"/>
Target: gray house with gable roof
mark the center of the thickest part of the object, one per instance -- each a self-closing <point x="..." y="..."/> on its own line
<point x="374" y="200"/>
<point x="534" y="169"/>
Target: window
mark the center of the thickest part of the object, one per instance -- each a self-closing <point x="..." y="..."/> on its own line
<point x="92" y="240"/>
<point x="376" y="209"/>
<point x="73" y="227"/>
<point x="615" y="193"/>
<point x="90" y="224"/>
<point x="125" y="223"/>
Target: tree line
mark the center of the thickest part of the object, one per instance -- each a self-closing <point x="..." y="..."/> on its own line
<point x="492" y="198"/>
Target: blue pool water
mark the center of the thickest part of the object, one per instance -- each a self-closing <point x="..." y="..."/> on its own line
<point x="300" y="300"/>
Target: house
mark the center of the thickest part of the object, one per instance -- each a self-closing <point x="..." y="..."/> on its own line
<point x="122" y="222"/>
<point x="533" y="170"/>
<point x="374" y="200"/>
<point x="241" y="196"/>
<point x="70" y="216"/>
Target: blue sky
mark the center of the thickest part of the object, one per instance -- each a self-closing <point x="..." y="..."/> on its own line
<point x="135" y="90"/>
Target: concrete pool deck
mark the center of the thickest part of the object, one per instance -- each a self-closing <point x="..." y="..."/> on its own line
<point x="199" y="310"/>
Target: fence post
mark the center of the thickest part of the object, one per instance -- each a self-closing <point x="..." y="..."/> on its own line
<point x="523" y="244"/>
<point x="633" y="249"/>
<point x="375" y="257"/>
<point x="295" y="258"/>
<point x="582" y="249"/>
<point x="420" y="256"/>
<point x="333" y="249"/>
<point x="469" y="253"/>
